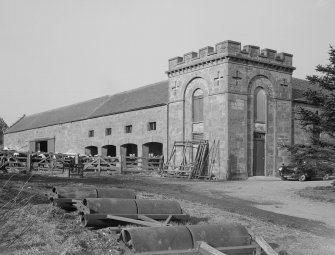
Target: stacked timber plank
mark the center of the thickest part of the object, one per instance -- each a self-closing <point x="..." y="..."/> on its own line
<point x="192" y="159"/>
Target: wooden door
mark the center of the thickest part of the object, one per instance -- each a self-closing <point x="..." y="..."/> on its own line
<point x="259" y="154"/>
<point x="51" y="145"/>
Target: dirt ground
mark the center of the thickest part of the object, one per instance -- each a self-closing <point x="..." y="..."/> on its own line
<point x="266" y="206"/>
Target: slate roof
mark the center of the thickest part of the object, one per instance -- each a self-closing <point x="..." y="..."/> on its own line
<point x="140" y="98"/>
<point x="299" y="86"/>
<point x="144" y="97"/>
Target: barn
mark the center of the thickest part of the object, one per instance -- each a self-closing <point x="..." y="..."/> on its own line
<point x="243" y="97"/>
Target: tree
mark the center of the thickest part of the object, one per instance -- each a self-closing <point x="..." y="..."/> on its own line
<point x="318" y="123"/>
<point x="3" y="126"/>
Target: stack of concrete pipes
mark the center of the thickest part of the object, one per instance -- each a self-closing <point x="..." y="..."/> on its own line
<point x="114" y="207"/>
<point x="66" y="197"/>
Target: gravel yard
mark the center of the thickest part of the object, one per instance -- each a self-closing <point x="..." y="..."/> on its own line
<point x="267" y="206"/>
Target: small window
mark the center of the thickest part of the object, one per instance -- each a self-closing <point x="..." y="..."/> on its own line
<point x="151" y="126"/>
<point x="91" y="133"/>
<point x="108" y="131"/>
<point x="128" y="129"/>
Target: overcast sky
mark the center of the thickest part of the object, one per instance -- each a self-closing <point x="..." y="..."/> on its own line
<point x="55" y="53"/>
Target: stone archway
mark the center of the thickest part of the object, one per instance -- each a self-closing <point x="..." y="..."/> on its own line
<point x="91" y="150"/>
<point x="260" y="135"/>
<point x="192" y="128"/>
<point x="108" y="150"/>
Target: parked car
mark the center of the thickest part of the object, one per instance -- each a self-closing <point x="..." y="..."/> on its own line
<point x="306" y="170"/>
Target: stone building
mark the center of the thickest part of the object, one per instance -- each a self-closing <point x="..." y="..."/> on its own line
<point x="243" y="97"/>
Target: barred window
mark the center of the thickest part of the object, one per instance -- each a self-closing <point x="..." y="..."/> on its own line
<point x="151" y="126"/>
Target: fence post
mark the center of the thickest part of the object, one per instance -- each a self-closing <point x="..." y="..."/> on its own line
<point x="29" y="163"/>
<point x="99" y="164"/>
<point x="123" y="163"/>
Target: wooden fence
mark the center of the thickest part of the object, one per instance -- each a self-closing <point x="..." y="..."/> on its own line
<point x="55" y="163"/>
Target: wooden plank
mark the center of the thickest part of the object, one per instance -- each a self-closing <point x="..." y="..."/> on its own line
<point x="238" y="248"/>
<point x="138" y="222"/>
<point x="135" y="216"/>
<point x="206" y="249"/>
<point x="264" y="245"/>
<point x="171" y="252"/>
<point x="145" y="218"/>
<point x="168" y="219"/>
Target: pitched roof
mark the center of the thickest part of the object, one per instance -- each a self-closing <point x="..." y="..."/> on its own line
<point x="140" y="98"/>
<point x="299" y="86"/>
<point x="144" y="97"/>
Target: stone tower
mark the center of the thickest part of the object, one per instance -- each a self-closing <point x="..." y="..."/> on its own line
<point x="245" y="102"/>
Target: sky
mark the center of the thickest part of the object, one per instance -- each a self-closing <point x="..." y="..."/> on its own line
<point x="59" y="52"/>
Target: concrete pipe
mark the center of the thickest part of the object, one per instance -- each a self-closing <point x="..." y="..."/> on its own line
<point x="109" y="206"/>
<point x="91" y="192"/>
<point x="158" y="207"/>
<point x="130" y="206"/>
<point x="63" y="197"/>
<point x="220" y="235"/>
<point x="155" y="239"/>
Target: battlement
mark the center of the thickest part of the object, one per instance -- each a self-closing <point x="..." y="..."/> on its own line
<point x="233" y="50"/>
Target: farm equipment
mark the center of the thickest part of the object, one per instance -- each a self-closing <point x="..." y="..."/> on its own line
<point x="66" y="197"/>
<point x="103" y="212"/>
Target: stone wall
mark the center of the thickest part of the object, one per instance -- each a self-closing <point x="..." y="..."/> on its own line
<point x="73" y="137"/>
<point x="230" y="76"/>
<point x="212" y="81"/>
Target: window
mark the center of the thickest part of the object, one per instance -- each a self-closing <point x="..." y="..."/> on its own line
<point x="151" y="126"/>
<point x="91" y="133"/>
<point x="128" y="129"/>
<point x="260" y="106"/>
<point x="108" y="131"/>
<point x="198" y="106"/>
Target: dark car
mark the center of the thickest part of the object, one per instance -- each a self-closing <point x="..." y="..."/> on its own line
<point x="306" y="170"/>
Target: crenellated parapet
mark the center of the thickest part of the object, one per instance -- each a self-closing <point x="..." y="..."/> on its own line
<point x="231" y="50"/>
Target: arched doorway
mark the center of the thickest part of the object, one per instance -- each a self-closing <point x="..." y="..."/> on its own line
<point x="152" y="155"/>
<point x="108" y="150"/>
<point x="91" y="150"/>
<point x="260" y="106"/>
<point x="129" y="149"/>
<point x="152" y="149"/>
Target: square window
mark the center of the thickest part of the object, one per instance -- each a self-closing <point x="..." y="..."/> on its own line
<point x="128" y="129"/>
<point x="151" y="126"/>
<point x="91" y="133"/>
<point x="108" y="131"/>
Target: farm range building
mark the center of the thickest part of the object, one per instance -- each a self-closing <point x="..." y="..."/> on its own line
<point x="245" y="98"/>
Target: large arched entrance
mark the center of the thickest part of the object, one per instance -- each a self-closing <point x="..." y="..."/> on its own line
<point x="91" y="150"/>
<point x="108" y="150"/>
<point x="129" y="149"/>
<point x="152" y="149"/>
<point x="261" y="147"/>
